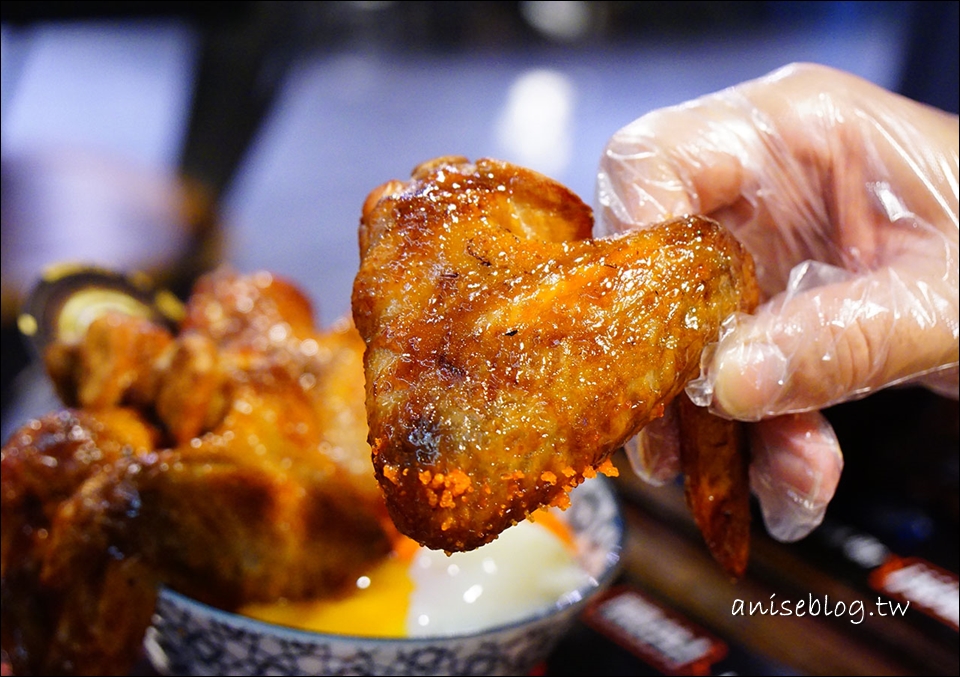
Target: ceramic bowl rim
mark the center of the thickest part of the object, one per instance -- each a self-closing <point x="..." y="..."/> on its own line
<point x="610" y="571"/>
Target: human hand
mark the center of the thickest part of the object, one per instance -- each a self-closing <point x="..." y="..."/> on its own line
<point x="846" y="195"/>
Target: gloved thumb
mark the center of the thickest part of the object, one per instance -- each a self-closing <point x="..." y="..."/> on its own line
<point x="831" y="337"/>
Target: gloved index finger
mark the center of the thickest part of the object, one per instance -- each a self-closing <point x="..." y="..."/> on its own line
<point x="681" y="160"/>
<point x="830" y="338"/>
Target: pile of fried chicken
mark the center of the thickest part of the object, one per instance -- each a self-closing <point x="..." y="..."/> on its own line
<point x="498" y="357"/>
<point x="228" y="461"/>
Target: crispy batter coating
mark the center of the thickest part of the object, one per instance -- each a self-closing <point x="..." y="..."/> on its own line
<point x="509" y="355"/>
<point x="242" y="476"/>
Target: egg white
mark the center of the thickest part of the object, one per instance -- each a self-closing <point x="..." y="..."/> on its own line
<point x="526" y="569"/>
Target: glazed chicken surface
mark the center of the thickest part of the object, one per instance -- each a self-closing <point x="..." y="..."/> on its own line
<point x="509" y="355"/>
<point x="228" y="461"/>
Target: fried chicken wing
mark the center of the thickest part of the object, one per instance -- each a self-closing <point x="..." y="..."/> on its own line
<point x="509" y="355"/>
<point x="242" y="476"/>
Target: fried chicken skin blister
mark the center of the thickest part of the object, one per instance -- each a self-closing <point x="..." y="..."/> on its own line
<point x="228" y="461"/>
<point x="509" y="355"/>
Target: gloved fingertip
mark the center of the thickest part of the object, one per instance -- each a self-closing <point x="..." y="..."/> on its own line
<point x="638" y="461"/>
<point x="747" y="378"/>
<point x="654" y="453"/>
<point x="789" y="516"/>
<point x="794" y="474"/>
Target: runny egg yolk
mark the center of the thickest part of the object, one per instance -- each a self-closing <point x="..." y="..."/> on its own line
<point x="420" y="592"/>
<point x="377" y="608"/>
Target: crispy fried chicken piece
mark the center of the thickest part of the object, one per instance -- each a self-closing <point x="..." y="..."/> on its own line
<point x="235" y="326"/>
<point x="258" y="489"/>
<point x="116" y="364"/>
<point x="264" y="325"/>
<point x="52" y="624"/>
<point x="508" y="356"/>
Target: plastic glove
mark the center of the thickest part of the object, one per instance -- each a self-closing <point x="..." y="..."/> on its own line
<point x="846" y="195"/>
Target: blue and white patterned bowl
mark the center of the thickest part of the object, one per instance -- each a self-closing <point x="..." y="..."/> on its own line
<point x="188" y="637"/>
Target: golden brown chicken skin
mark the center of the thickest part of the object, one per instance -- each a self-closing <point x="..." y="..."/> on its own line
<point x="232" y="467"/>
<point x="89" y="619"/>
<point x="509" y="355"/>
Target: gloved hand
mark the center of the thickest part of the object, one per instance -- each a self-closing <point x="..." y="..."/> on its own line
<point x="846" y="196"/>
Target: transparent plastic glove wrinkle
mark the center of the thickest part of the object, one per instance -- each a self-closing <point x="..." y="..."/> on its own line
<point x="846" y="195"/>
<point x="773" y="362"/>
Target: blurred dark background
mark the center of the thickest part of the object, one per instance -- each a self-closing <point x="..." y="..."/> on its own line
<point x="171" y="137"/>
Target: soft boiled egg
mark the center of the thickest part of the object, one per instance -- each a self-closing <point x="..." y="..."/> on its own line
<point x="419" y="592"/>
